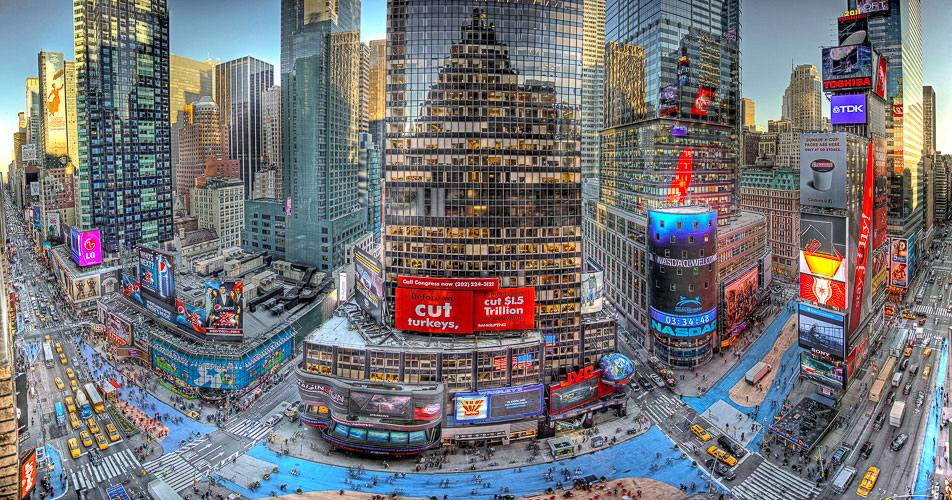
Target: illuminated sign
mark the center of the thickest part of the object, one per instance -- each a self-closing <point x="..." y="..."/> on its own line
<point x="448" y="283"/>
<point x="496" y="404"/>
<point x="682" y="178"/>
<point x="27" y="472"/>
<point x="871" y="6"/>
<point x="702" y="101"/>
<point x="848" y="66"/>
<point x="823" y="266"/>
<point x="853" y="29"/>
<point x="470" y="408"/>
<point x="85" y="248"/>
<point x="827" y="372"/>
<point x="437" y="311"/>
<point x="668" y="100"/>
<point x="847" y="108"/>
<point x="504" y="309"/>
<point x="460" y="310"/>
<point x="823" y="169"/>
<point x="862" y="249"/>
<point x="881" y="77"/>
<point x="679" y="130"/>
<point x="822" y="331"/>
<point x="668" y="261"/>
<point x="687" y="320"/>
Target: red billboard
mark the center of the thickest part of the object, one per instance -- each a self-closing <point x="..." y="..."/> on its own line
<point x="881" y="77"/>
<point x="862" y="249"/>
<point x="682" y="178"/>
<point x="702" y="101"/>
<point x="822" y="290"/>
<point x="579" y="388"/>
<point x="436" y="311"/>
<point x="27" y="472"/>
<point x="880" y="188"/>
<point x="448" y="283"/>
<point x="504" y="309"/>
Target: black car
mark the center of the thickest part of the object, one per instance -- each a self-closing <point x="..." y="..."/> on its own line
<point x="720" y="469"/>
<point x="880" y="419"/>
<point x="914" y="370"/>
<point x="904" y="364"/>
<point x="907" y="389"/>
<point x="898" y="442"/>
<point x="890" y="398"/>
<point x="840" y="454"/>
<point x="866" y="450"/>
<point x="644" y="383"/>
<point x="731" y="447"/>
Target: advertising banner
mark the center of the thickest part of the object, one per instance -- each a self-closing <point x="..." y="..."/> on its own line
<point x="899" y="265"/>
<point x="847" y="108"/>
<point x="85" y="247"/>
<point x="471" y="407"/>
<point x="823" y="169"/>
<point x="827" y="372"/>
<point x="593" y="292"/>
<point x="54" y="88"/>
<point x="448" y="283"/>
<point x="437" y="311"/>
<point x="881" y="77"/>
<point x="668" y="100"/>
<point x="823" y="331"/>
<point x="740" y="297"/>
<point x="847" y="67"/>
<point x="383" y="404"/>
<point x="369" y="285"/>
<point x="130" y="288"/>
<point x="873" y="6"/>
<point x="120" y="330"/>
<point x="823" y="265"/>
<point x="190" y="317"/>
<point x="27" y="472"/>
<point x="853" y="30"/>
<point x="880" y="270"/>
<point x="53" y="224"/>
<point x="563" y="398"/>
<point x="880" y="189"/>
<point x="499" y="404"/>
<point x="157" y="276"/>
<point x="223" y="307"/>
<point x="702" y="101"/>
<point x="684" y="70"/>
<point x="504" y="309"/>
<point x="678" y="325"/>
<point x="23" y="409"/>
<point x="682" y="177"/>
<point x="28" y="152"/>
<point x="862" y="247"/>
<point x="34" y="189"/>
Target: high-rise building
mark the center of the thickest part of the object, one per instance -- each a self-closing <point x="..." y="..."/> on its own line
<point x="369" y="184"/>
<point x="775" y="193"/>
<point x="320" y="99"/>
<point x="803" y="99"/>
<point x="240" y="85"/>
<point x="271" y="136"/>
<point x="747" y="113"/>
<point x="593" y="54"/>
<point x="928" y="120"/>
<point x="377" y="93"/>
<point x="219" y="204"/>
<point x="125" y="163"/>
<point x="363" y="109"/>
<point x="33" y="109"/>
<point x="897" y="35"/>
<point x="72" y="125"/>
<point x="506" y="189"/>
<point x="200" y="137"/>
<point x="189" y="81"/>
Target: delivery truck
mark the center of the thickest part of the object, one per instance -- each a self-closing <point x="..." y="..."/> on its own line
<point x="757" y="372"/>
<point x="877" y="391"/>
<point x="896" y="414"/>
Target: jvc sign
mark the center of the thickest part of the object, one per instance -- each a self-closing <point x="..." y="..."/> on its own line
<point x="848" y="109"/>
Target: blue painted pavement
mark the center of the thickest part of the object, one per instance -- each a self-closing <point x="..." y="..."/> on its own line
<point x="629" y="459"/>
<point x="32" y="351"/>
<point x="928" y="455"/>
<point x="59" y="486"/>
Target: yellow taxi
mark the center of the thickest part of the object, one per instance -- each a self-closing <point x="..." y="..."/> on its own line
<point x="73" y="385"/>
<point x="74" y="420"/>
<point x="101" y="442"/>
<point x="869" y="481"/>
<point x="700" y="432"/>
<point x="70" y="406"/>
<point x="722" y="455"/>
<point x="47" y="338"/>
<point x="925" y="372"/>
<point x="908" y="352"/>
<point x="59" y="383"/>
<point x="92" y="426"/>
<point x="84" y="436"/>
<point x="69" y="373"/>
<point x="112" y="432"/>
<point x="927" y="352"/>
<point x="59" y="348"/>
<point x="73" y="447"/>
<point x="908" y="315"/>
<point x="63" y="358"/>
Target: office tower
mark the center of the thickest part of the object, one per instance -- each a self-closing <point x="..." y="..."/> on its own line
<point x="125" y="163"/>
<point x="747" y="113"/>
<point x="775" y="193"/>
<point x="320" y="99"/>
<point x="189" y="81"/>
<point x="897" y="35"/>
<point x="219" y="204"/>
<point x="593" y="53"/>
<point x="377" y="93"/>
<point x="802" y="101"/>
<point x="200" y="137"/>
<point x="72" y="125"/>
<point x="239" y="86"/>
<point x="363" y="110"/>
<point x="928" y="120"/>
<point x="483" y="148"/>
<point x="33" y="108"/>
<point x="271" y="136"/>
<point x="369" y="184"/>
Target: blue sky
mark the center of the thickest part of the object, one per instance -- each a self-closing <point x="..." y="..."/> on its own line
<point x="775" y="35"/>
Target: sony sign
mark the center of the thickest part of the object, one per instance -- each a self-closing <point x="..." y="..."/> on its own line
<point x="848" y="109"/>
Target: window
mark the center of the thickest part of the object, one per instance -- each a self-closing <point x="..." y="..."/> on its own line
<point x="674" y="287"/>
<point x="672" y="238"/>
<point x="691" y="239"/>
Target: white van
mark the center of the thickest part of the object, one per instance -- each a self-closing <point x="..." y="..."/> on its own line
<point x="897" y="379"/>
<point x="843" y="479"/>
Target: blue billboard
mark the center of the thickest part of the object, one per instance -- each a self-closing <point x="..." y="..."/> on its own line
<point x="848" y="108"/>
<point x="214" y="373"/>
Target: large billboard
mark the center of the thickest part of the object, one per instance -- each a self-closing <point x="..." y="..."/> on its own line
<point x="131" y="288"/>
<point x="448" y="283"/>
<point x="822" y="370"/>
<point x="54" y="89"/>
<point x="157" y="276"/>
<point x="862" y="246"/>
<point x="381" y="403"/>
<point x="853" y="30"/>
<point x="53" y="225"/>
<point x="847" y="67"/>
<point x="120" y="330"/>
<point x="823" y="331"/>
<point x="190" y="317"/>
<point x="369" y="284"/>
<point x="823" y="264"/>
<point x="702" y="101"/>
<point x="740" y="298"/>
<point x="504" y="309"/>
<point x="593" y="292"/>
<point x="464" y="311"/>
<point x="499" y="404"/>
<point x="23" y="408"/>
<point x="881" y="77"/>
<point x="880" y="190"/>
<point x="224" y="307"/>
<point x="847" y="109"/>
<point x="899" y="263"/>
<point x="872" y="6"/>
<point x="28" y="152"/>
<point x="669" y="100"/>
<point x="27" y="472"/>
<point x="823" y="169"/>
<point x="85" y="247"/>
<point x="880" y="270"/>
<point x="563" y="398"/>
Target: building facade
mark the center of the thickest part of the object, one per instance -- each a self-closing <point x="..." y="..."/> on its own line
<point x="189" y="81"/>
<point x="747" y="113"/>
<point x="265" y="227"/>
<point x="271" y="130"/>
<point x="125" y="164"/>
<point x="240" y="85"/>
<point x="803" y="99"/>
<point x="593" y="58"/>
<point x="377" y="92"/>
<point x="774" y="192"/>
<point x="218" y="204"/>
<point x="928" y="120"/>
<point x="200" y="137"/>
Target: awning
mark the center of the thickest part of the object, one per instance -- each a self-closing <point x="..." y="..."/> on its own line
<point x="114" y="384"/>
<point x="823" y="400"/>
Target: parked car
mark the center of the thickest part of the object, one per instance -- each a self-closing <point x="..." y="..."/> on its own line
<point x="897" y="443"/>
<point x="866" y="450"/>
<point x="731" y="447"/>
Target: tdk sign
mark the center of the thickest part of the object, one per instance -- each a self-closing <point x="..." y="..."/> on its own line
<point x="847" y="109"/>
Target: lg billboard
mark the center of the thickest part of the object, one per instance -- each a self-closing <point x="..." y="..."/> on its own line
<point x="85" y="247"/>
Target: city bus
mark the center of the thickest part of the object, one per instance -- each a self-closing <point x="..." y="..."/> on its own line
<point x="95" y="400"/>
<point x="60" y="414"/>
<point x="83" y="404"/>
<point x="48" y="354"/>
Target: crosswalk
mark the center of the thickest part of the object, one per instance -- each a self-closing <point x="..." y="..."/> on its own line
<point x="249" y="429"/>
<point x="932" y="310"/>
<point x="662" y="407"/>
<point x="178" y="469"/>
<point x="90" y="476"/>
<point x="770" y="481"/>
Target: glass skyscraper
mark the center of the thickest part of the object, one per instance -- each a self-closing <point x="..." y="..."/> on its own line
<point x="125" y="163"/>
<point x="320" y="99"/>
<point x="239" y="88"/>
<point x="482" y="167"/>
